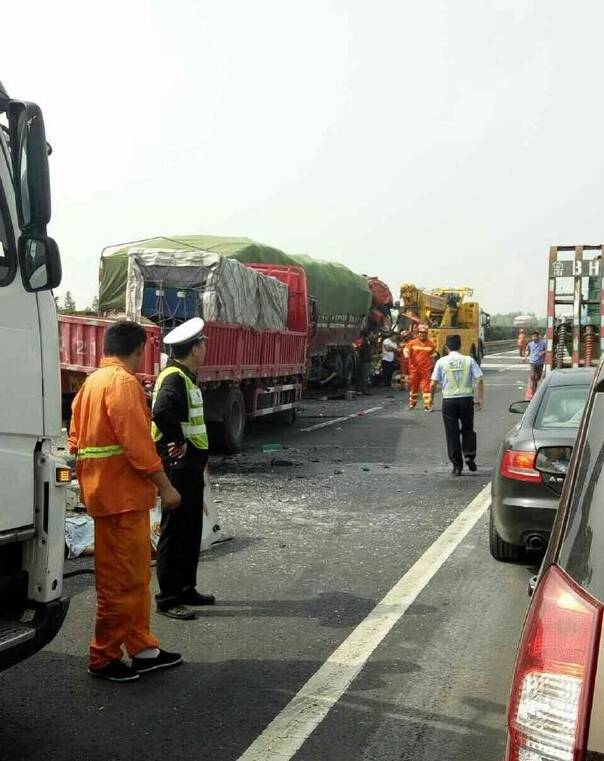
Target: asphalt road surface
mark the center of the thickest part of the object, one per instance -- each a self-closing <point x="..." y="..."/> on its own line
<point x="300" y="658"/>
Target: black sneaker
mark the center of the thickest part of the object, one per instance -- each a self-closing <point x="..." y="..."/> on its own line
<point x="116" y="671"/>
<point x="456" y="472"/>
<point x="164" y="660"/>
<point x="193" y="597"/>
<point x="472" y="465"/>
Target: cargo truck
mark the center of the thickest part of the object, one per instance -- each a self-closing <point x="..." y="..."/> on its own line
<point x="250" y="371"/>
<point x="340" y="301"/>
<point x="253" y="368"/>
<point x="32" y="533"/>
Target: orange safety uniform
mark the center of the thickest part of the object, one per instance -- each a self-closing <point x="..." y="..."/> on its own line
<point x="420" y="356"/>
<point x="522" y="343"/>
<point x="110" y="435"/>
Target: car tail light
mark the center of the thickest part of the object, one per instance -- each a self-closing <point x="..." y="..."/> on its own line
<point x="553" y="679"/>
<point x="520" y="466"/>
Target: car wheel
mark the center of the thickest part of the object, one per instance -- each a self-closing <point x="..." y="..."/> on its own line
<point x="501" y="550"/>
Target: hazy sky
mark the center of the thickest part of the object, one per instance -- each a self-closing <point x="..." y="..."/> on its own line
<point x="436" y="142"/>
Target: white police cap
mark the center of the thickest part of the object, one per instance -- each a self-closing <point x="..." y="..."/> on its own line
<point x="186" y="332"/>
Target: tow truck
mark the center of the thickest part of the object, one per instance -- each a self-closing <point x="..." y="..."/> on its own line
<point x="447" y="311"/>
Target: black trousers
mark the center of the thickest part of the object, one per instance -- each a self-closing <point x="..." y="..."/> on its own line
<point x="387" y="372"/>
<point x="180" y="540"/>
<point x="458" y="417"/>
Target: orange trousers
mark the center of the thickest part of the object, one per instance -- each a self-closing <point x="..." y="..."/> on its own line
<point x="420" y="379"/>
<point x="122" y="565"/>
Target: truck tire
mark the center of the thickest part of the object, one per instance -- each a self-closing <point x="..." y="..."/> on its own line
<point x="348" y="370"/>
<point x="500" y="550"/>
<point x="475" y="354"/>
<point x="285" y="417"/>
<point x="227" y="435"/>
<point x="338" y="368"/>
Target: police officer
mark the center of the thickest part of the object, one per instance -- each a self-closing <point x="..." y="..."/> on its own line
<point x="457" y="374"/>
<point x="179" y="432"/>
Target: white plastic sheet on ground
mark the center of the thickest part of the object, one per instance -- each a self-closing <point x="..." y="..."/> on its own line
<point x="227" y="290"/>
<point x="79" y="534"/>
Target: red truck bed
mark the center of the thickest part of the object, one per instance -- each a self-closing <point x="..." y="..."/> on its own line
<point x="234" y="353"/>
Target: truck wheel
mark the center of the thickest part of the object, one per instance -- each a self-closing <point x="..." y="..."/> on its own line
<point x="227" y="435"/>
<point x="338" y="368"/>
<point x="348" y="370"/>
<point x="501" y="550"/>
<point x="285" y="417"/>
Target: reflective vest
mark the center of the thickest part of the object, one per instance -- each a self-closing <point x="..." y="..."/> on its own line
<point x="458" y="372"/>
<point x="195" y="429"/>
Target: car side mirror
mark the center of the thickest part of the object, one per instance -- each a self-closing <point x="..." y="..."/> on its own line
<point x="519" y="408"/>
<point x="40" y="263"/>
<point x="29" y="153"/>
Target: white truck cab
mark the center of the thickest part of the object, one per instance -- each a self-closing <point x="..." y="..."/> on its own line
<point x="32" y="479"/>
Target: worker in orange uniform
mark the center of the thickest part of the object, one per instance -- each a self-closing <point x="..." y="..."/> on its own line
<point x="522" y="342"/>
<point x="120" y="474"/>
<point x="420" y="353"/>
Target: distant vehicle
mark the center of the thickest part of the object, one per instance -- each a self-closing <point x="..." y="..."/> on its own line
<point x="525" y="321"/>
<point x="556" y="705"/>
<point x="533" y="460"/>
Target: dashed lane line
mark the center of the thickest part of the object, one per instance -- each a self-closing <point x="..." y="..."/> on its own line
<point x="360" y="413"/>
<point x="288" y="731"/>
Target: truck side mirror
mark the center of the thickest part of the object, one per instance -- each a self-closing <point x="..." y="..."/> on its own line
<point x="29" y="154"/>
<point x="40" y="263"/>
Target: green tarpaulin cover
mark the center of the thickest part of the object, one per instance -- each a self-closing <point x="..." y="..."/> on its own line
<point x="336" y="289"/>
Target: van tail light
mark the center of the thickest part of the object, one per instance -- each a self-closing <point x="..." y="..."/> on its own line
<point x="520" y="466"/>
<point x="550" y="701"/>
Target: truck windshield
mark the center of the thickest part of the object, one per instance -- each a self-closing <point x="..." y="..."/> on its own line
<point x="582" y="548"/>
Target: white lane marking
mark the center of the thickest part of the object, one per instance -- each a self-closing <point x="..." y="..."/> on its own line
<point x="503" y="354"/>
<point x="502" y="366"/>
<point x="288" y="731"/>
<point x="340" y="419"/>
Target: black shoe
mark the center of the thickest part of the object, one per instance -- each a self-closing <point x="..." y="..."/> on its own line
<point x="193" y="597"/>
<point x="456" y="472"/>
<point x="116" y="671"/>
<point x="472" y="465"/>
<point x="164" y="660"/>
<point x="177" y="612"/>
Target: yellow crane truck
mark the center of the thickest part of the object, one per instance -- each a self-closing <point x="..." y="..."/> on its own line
<point x="447" y="311"/>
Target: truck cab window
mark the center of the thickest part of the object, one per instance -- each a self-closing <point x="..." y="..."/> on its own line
<point x="6" y="269"/>
<point x="7" y="249"/>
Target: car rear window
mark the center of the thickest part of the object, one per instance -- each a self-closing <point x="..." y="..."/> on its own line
<point x="582" y="548"/>
<point x="562" y="407"/>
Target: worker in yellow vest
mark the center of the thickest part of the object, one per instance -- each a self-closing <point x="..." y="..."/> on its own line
<point x="181" y="438"/>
